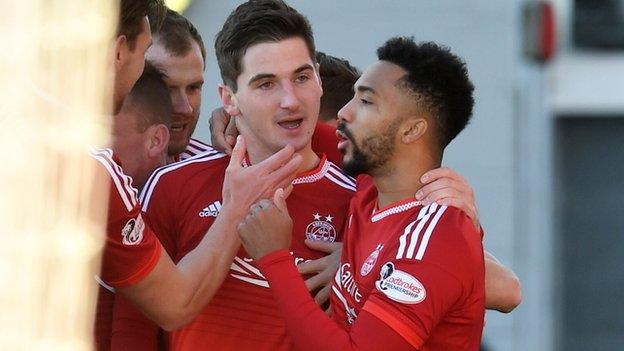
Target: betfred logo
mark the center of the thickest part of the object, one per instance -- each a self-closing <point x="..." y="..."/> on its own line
<point x="400" y="286"/>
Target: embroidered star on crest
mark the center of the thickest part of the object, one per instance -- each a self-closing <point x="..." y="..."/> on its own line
<point x="329" y="218"/>
<point x="317" y="217"/>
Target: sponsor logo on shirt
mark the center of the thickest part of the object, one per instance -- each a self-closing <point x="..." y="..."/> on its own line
<point x="400" y="286"/>
<point x="211" y="210"/>
<point x="132" y="232"/>
<point x="322" y="230"/>
<point x="369" y="264"/>
<point x="347" y="282"/>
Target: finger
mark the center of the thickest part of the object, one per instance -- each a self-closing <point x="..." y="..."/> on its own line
<point x="288" y="190"/>
<point x="322" y="295"/>
<point x="315" y="282"/>
<point x="283" y="176"/>
<point x="254" y="210"/>
<point x="276" y="160"/>
<point x="280" y="201"/>
<point x="231" y="132"/>
<point x="436" y="185"/>
<point x="238" y="154"/>
<point x="328" y="311"/>
<point x="312" y="266"/>
<point x="440" y="194"/>
<point x="441" y="172"/>
<point x="323" y="246"/>
<point x="218" y="122"/>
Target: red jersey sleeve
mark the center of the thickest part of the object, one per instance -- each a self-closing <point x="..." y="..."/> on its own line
<point x="131" y="329"/>
<point x="131" y="250"/>
<point x="158" y="205"/>
<point x="312" y="329"/>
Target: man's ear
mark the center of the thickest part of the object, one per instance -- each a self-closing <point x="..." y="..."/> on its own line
<point x="228" y="99"/>
<point x="120" y="51"/>
<point x="158" y="140"/>
<point x="413" y="129"/>
<point x="317" y="73"/>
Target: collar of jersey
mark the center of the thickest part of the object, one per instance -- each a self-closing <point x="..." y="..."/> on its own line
<point x="393" y="209"/>
<point x="310" y="176"/>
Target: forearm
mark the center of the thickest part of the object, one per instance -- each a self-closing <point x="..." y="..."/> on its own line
<point x="205" y="268"/>
<point x="502" y="287"/>
<point x="309" y="327"/>
<point x="307" y="324"/>
<point x="173" y="295"/>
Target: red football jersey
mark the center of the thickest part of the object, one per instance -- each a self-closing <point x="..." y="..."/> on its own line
<point x="325" y="141"/>
<point x="181" y="202"/>
<point x="418" y="269"/>
<point x="194" y="148"/>
<point x="131" y="250"/>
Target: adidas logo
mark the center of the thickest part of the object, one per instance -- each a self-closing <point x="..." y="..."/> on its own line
<point x="211" y="210"/>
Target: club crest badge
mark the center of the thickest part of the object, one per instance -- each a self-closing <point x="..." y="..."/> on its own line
<point x="369" y="264"/>
<point x="132" y="232"/>
<point x="321" y="230"/>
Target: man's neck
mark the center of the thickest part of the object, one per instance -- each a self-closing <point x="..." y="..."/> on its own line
<point x="401" y="179"/>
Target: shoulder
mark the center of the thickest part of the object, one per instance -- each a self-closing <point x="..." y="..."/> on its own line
<point x="120" y="182"/>
<point x="179" y="173"/>
<point x="196" y="147"/>
<point x="336" y="175"/>
<point x="434" y="231"/>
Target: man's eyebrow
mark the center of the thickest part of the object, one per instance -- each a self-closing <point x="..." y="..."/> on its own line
<point x="303" y="68"/>
<point x="364" y="89"/>
<point x="259" y="76"/>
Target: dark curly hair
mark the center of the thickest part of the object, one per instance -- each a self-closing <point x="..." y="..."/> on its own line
<point x="437" y="78"/>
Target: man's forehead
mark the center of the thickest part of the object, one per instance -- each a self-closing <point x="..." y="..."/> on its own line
<point x="381" y="75"/>
<point x="189" y="65"/>
<point x="284" y="56"/>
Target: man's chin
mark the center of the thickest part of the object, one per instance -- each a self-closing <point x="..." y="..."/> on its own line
<point x="177" y="148"/>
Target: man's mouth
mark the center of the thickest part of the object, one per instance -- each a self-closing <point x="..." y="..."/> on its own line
<point x="291" y="124"/>
<point x="178" y="127"/>
<point x="343" y="140"/>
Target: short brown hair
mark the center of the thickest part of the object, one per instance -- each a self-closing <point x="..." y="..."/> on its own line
<point x="151" y="97"/>
<point x="338" y="77"/>
<point x="176" y="33"/>
<point x="131" y="13"/>
<point x="255" y="22"/>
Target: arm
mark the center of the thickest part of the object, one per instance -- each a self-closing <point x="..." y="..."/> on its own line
<point x="310" y="328"/>
<point x="172" y="295"/>
<point x="448" y="188"/>
<point x="502" y="287"/>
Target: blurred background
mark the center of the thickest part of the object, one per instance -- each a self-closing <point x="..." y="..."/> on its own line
<point x="544" y="152"/>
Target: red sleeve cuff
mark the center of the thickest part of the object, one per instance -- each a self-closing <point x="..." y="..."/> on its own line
<point x="274" y="257"/>
<point x="142" y="272"/>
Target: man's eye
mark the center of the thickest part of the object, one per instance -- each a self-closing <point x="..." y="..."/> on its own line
<point x="266" y="85"/>
<point x="195" y="88"/>
<point x="365" y="102"/>
<point x="302" y="78"/>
